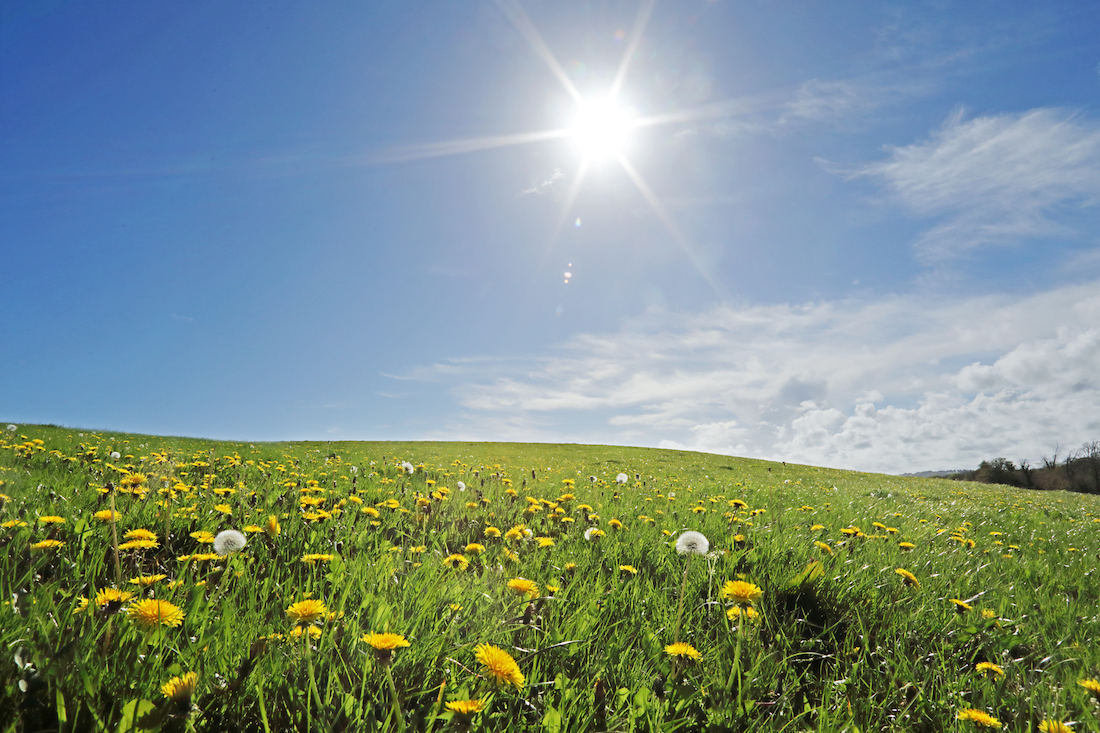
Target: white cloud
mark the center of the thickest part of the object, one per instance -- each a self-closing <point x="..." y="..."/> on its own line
<point x="538" y="188"/>
<point x="906" y="383"/>
<point x="996" y="180"/>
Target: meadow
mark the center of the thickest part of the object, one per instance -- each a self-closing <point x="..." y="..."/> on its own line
<point x="180" y="584"/>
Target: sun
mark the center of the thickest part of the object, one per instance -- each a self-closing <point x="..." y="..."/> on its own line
<point x="601" y="129"/>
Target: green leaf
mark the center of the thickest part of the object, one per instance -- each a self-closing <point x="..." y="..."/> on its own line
<point x="551" y="720"/>
<point x="138" y="715"/>
<point x="809" y="574"/>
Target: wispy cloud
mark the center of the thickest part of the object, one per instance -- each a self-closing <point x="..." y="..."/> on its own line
<point x="996" y="180"/>
<point x="538" y="188"/>
<point x="905" y="383"/>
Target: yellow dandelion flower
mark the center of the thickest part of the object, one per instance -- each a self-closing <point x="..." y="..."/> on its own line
<point x="81" y="605"/>
<point x="1092" y="685"/>
<point x="544" y="541"/>
<point x="499" y="665"/>
<point x="684" y="652"/>
<point x="111" y="599"/>
<point x="466" y="709"/>
<point x="740" y="592"/>
<point x="961" y="607"/>
<point x="139" y="545"/>
<point x="147" y="580"/>
<point x="385" y="644"/>
<point x="981" y="718"/>
<point x="47" y="545"/>
<point x="181" y="689"/>
<point x="456" y="562"/>
<point x="317" y="558"/>
<point x="475" y="549"/>
<point x="736" y="612"/>
<point x="203" y="537"/>
<point x="1054" y="726"/>
<point x="139" y="534"/>
<point x="628" y="569"/>
<point x="906" y="546"/>
<point x="989" y="669"/>
<point x="825" y="549"/>
<point x="907" y="577"/>
<point x="492" y="532"/>
<point x="51" y="519"/>
<point x="106" y="515"/>
<point x="151" y="613"/>
<point x="307" y="611"/>
<point x="523" y="586"/>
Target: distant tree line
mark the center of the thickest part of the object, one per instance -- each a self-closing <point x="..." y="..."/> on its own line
<point x="1078" y="470"/>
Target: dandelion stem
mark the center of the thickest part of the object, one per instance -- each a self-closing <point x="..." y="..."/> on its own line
<point x="680" y="610"/>
<point x="397" y="714"/>
<point x="114" y="538"/>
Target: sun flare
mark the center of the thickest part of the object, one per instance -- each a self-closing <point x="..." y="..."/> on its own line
<point x="601" y="129"/>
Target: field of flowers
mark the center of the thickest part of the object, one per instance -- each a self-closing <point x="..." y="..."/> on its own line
<point x="175" y="584"/>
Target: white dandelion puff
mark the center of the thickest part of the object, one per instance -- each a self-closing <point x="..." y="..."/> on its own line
<point x="409" y="468"/>
<point x="692" y="543"/>
<point x="461" y="486"/>
<point x="12" y="428"/>
<point x="622" y="478"/>
<point x="115" y="455"/>
<point x="590" y="533"/>
<point x="229" y="540"/>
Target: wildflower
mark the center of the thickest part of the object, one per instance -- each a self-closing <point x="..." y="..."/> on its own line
<point x="147" y="580"/>
<point x="989" y="669"/>
<point x="13" y="523"/>
<point x="492" y="532"/>
<point x="1054" y="726"/>
<point x="150" y="613"/>
<point x="139" y="545"/>
<point x="615" y="524"/>
<point x="456" y="562"/>
<point x="692" y="543"/>
<point x="1091" y="685"/>
<point x="593" y="533"/>
<point x="825" y="549"/>
<point x="736" y="612"/>
<point x="307" y="611"/>
<point x="523" y="586"/>
<point x="272" y="526"/>
<point x="499" y="665"/>
<point x="622" y="478"/>
<point x="51" y="519"/>
<point x="979" y="717"/>
<point x="180" y="690"/>
<point x="204" y="537"/>
<point x="139" y="534"/>
<point x="544" y="542"/>
<point x="316" y="558"/>
<point x="47" y="545"/>
<point x="223" y="508"/>
<point x="385" y="644"/>
<point x="906" y="546"/>
<point x="110" y="600"/>
<point x="628" y="570"/>
<point x="312" y="632"/>
<point x="908" y="578"/>
<point x="988" y="613"/>
<point x="475" y="549"/>
<point x="740" y="592"/>
<point x="107" y="515"/>
<point x="682" y="651"/>
<point x="961" y="607"/>
<point x="81" y="605"/>
<point x="464" y="710"/>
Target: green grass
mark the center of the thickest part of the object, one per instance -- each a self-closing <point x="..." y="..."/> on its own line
<point x="840" y="642"/>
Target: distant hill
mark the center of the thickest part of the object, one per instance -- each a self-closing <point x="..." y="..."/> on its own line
<point x="936" y="474"/>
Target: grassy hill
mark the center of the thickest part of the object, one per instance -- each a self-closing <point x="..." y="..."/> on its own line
<point x="490" y="586"/>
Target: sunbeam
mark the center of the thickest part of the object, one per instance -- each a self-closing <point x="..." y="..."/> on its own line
<point x="526" y="28"/>
<point x="663" y="215"/>
<point x="467" y="145"/>
<point x="635" y="38"/>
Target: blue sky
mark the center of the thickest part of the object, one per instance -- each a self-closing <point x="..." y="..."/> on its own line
<point x="860" y="234"/>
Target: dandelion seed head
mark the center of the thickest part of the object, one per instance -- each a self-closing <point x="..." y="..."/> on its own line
<point x="228" y="541"/>
<point x="692" y="543"/>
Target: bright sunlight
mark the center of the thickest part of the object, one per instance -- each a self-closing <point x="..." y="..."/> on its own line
<point x="601" y="129"/>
